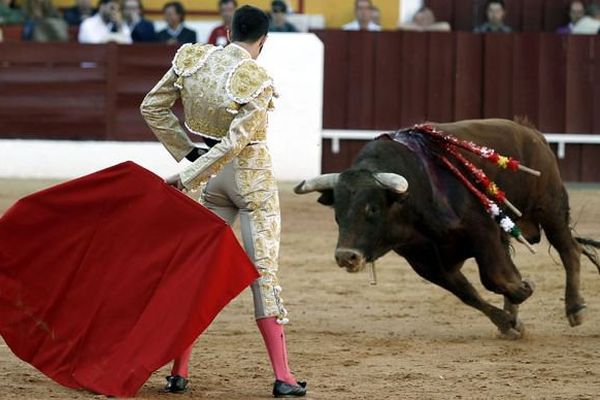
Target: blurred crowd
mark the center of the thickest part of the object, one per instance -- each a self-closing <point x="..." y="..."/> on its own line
<point x="120" y="21"/>
<point x="123" y="21"/>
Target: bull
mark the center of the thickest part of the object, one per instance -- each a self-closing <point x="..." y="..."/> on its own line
<point x="398" y="197"/>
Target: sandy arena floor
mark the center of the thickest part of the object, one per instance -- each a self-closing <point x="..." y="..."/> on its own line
<point x="402" y="339"/>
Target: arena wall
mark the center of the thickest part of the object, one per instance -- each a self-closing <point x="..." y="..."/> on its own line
<point x="294" y="61"/>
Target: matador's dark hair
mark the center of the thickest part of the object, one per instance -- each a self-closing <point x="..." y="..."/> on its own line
<point x="249" y="24"/>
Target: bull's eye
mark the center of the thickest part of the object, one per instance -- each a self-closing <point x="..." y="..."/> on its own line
<point x="371" y="210"/>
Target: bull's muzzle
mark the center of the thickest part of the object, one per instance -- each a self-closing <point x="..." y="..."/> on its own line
<point x="351" y="259"/>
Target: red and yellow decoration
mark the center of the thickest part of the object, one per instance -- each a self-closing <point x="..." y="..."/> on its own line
<point x="488" y="192"/>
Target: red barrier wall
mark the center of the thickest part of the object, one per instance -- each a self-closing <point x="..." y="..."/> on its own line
<point x="374" y="81"/>
<point x="401" y="78"/>
<point x="75" y="91"/>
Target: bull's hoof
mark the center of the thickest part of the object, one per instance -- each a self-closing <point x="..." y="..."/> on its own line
<point x="354" y="269"/>
<point x="516" y="332"/>
<point x="529" y="283"/>
<point x="576" y="314"/>
<point x="520" y="327"/>
<point x="511" y="334"/>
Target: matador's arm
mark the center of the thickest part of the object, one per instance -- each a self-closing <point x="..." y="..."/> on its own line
<point x="156" y="110"/>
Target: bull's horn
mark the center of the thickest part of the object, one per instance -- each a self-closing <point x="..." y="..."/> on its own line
<point x="322" y="182"/>
<point x="394" y="182"/>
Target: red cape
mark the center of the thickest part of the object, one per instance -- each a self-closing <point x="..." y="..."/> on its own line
<point x="106" y="278"/>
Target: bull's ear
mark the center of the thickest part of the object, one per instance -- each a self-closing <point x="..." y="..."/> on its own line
<point x="326" y="197"/>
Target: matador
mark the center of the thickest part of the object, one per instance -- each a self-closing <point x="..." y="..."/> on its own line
<point x="226" y="96"/>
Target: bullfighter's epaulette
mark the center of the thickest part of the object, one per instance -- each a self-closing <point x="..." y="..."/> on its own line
<point x="246" y="81"/>
<point x="189" y="59"/>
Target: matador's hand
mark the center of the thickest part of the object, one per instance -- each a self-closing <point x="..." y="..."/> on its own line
<point x="175" y="181"/>
<point x="196" y="153"/>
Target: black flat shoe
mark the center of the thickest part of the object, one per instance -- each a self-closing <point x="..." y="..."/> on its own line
<point x="176" y="384"/>
<point x="282" y="389"/>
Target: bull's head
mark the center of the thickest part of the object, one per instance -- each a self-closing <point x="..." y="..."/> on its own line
<point x="365" y="203"/>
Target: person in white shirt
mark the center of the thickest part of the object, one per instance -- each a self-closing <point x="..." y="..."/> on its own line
<point x="423" y="21"/>
<point x="363" y="10"/>
<point x="589" y="24"/>
<point x="106" y="26"/>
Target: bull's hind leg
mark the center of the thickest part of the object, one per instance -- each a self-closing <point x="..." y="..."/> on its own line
<point x="570" y="256"/>
<point x="454" y="281"/>
<point x="555" y="225"/>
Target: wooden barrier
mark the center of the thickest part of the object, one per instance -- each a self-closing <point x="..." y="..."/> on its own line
<point x="139" y="68"/>
<point x="403" y="78"/>
<point x="75" y="91"/>
<point x="373" y="81"/>
<point x="46" y="91"/>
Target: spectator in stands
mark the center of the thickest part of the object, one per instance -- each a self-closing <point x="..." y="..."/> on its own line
<point x="363" y="10"/>
<point x="142" y="30"/>
<point x="218" y="37"/>
<point x="106" y="25"/>
<point x="279" y="22"/>
<point x="495" y="12"/>
<point x="576" y="12"/>
<point x="589" y="24"/>
<point x="81" y="10"/>
<point x="10" y="13"/>
<point x="176" y="32"/>
<point x="597" y="16"/>
<point x="424" y="20"/>
<point x="376" y="15"/>
<point x="43" y="22"/>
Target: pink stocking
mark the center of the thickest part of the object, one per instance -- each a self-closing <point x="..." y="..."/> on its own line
<point x="182" y="363"/>
<point x="274" y="338"/>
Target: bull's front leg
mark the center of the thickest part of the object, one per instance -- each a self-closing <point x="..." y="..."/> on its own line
<point x="452" y="279"/>
<point x="513" y="309"/>
<point x="498" y="273"/>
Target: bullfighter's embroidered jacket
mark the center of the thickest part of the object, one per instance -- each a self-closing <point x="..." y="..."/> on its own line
<point x="226" y="96"/>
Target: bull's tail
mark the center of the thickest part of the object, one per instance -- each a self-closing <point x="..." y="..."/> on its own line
<point x="590" y="247"/>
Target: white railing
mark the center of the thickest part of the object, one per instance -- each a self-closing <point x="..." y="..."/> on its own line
<point x="561" y="139"/>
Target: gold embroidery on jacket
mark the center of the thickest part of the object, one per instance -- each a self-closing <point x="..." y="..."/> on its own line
<point x="191" y="57"/>
<point x="227" y="96"/>
<point x="256" y="184"/>
<point x="250" y="125"/>
<point x="246" y="81"/>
